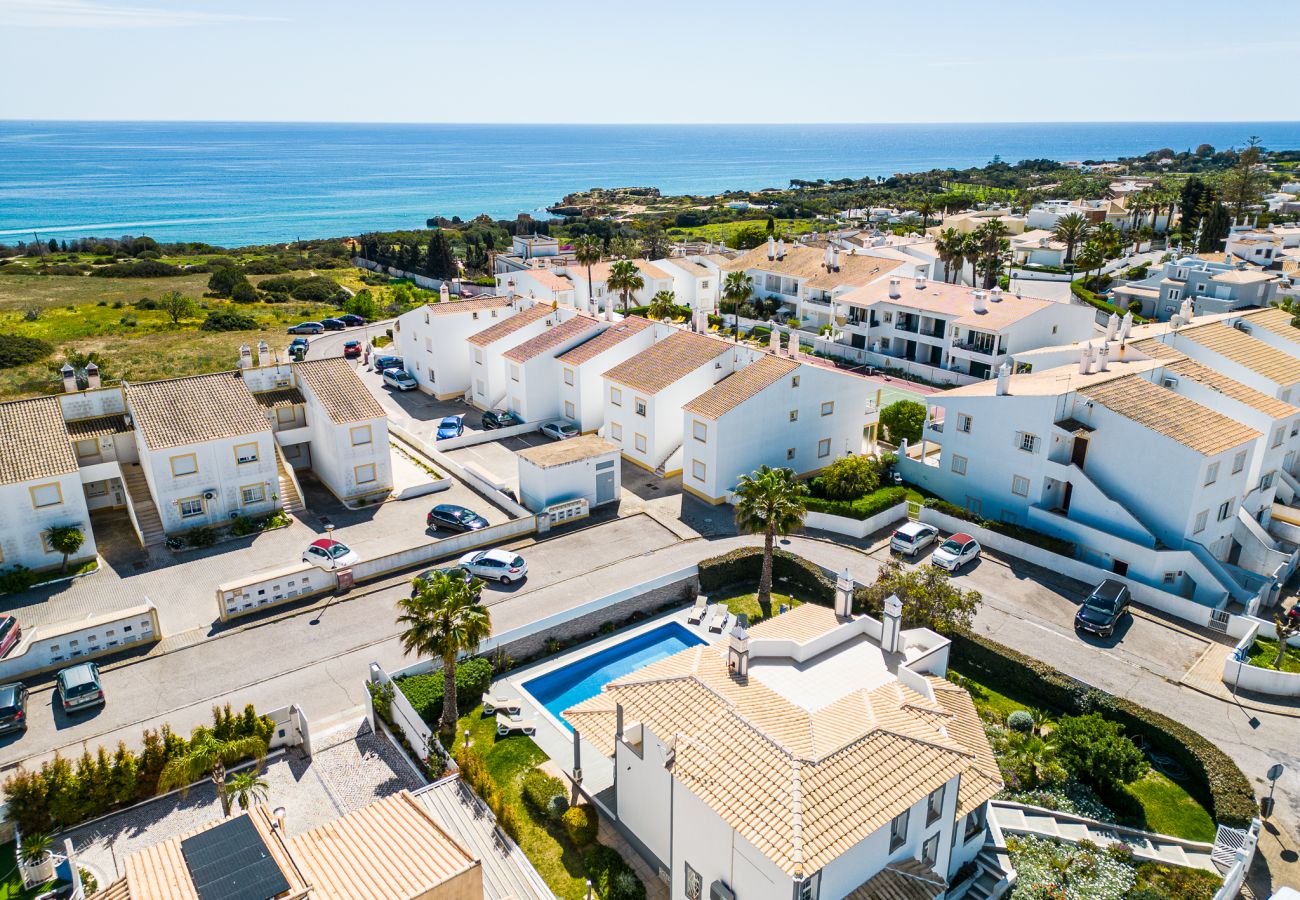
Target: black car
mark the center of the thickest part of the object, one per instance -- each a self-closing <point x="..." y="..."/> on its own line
<point x="13" y="707"/>
<point x="1103" y="609"/>
<point x="455" y="518"/>
<point x="334" y="324"/>
<point x="453" y="571"/>
<point x="496" y="418"/>
<point x="384" y="363"/>
<point x="352" y="321"/>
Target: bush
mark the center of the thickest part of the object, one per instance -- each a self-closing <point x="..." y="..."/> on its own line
<point x="1097" y="752"/>
<point x="243" y="292"/>
<point x="541" y="791"/>
<point x="224" y="279"/>
<point x="147" y="268"/>
<point x="863" y="507"/>
<point x="611" y="876"/>
<point x="317" y="289"/>
<point x="281" y="284"/>
<point x="228" y="321"/>
<point x="581" y="823"/>
<point x="201" y="537"/>
<point x="1009" y="529"/>
<point x="741" y="566"/>
<point x="848" y="478"/>
<point x="424" y="691"/>
<point x="1021" y="721"/>
<point x="1077" y="288"/>
<point x="903" y="420"/>
<point x="1217" y="781"/>
<point x="17" y="350"/>
<point x="16" y="580"/>
<point x="1160" y="882"/>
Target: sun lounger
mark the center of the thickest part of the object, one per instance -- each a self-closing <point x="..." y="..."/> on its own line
<point x="719" y="623"/>
<point x="507" y="724"/>
<point x="494" y="702"/>
<point x="696" y="615"/>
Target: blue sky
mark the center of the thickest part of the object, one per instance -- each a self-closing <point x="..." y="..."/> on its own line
<point x="665" y="61"/>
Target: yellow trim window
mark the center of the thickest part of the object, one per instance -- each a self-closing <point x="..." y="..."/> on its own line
<point x="616" y="432"/>
<point x="190" y="507"/>
<point x="823" y="448"/>
<point x="640" y="407"/>
<point x="88" y="447"/>
<point x="185" y="464"/>
<point x="615" y="397"/>
<point x="570" y="411"/>
<point x="44" y="495"/>
<point x="698" y="470"/>
<point x="365" y="474"/>
<point x="361" y="435"/>
<point x="700" y="431"/>
<point x="639" y="441"/>
<point x="568" y="376"/>
<point x="252" y="493"/>
<point x="245" y="453"/>
<point x="285" y="414"/>
<point x="828" y="407"/>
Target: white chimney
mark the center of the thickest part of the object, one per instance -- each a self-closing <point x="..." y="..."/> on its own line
<point x="891" y="635"/>
<point x="263" y="353"/>
<point x="771" y="247"/>
<point x="69" y="378"/>
<point x="920" y="281"/>
<point x="92" y="376"/>
<point x="245" y="356"/>
<point x="1112" y="325"/>
<point x="444" y="293"/>
<point x="835" y="258"/>
<point x="1185" y="310"/>
<point x="609" y="312"/>
<point x="1103" y="356"/>
<point x="844" y="595"/>
<point x="828" y="258"/>
<point x="1126" y="325"/>
<point x="774" y="342"/>
<point x="980" y="308"/>
<point x="738" y="648"/>
<point x="1085" y="359"/>
<point x="780" y="249"/>
<point x="894" y="284"/>
<point x="995" y="295"/>
<point x="1004" y="379"/>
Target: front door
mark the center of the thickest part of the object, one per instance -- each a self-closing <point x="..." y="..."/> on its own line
<point x="1065" y="497"/>
<point x="605" y="486"/>
<point x="1078" y="452"/>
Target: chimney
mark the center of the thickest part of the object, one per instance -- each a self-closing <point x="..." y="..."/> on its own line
<point x="1103" y="356"/>
<point x="920" y="281"/>
<point x="891" y="635"/>
<point x="1004" y="379"/>
<point x="828" y="259"/>
<point x="92" y="376"/>
<point x="738" y="647"/>
<point x="444" y="293"/>
<point x="1185" y="310"/>
<point x="1125" y="326"/>
<point x="979" y="307"/>
<point x="835" y="258"/>
<point x="618" y="722"/>
<point x="245" y="356"/>
<point x="69" y="378"/>
<point x="1112" y="326"/>
<point x="1085" y="359"/>
<point x="844" y="595"/>
<point x="995" y="295"/>
<point x="263" y="353"/>
<point x="894" y="284"/>
<point x="774" y="342"/>
<point x="780" y="249"/>
<point x="771" y="247"/>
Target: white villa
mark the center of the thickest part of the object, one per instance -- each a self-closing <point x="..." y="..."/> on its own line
<point x="533" y="372"/>
<point x="431" y="341"/>
<point x="1211" y="287"/>
<point x="582" y="369"/>
<point x="489" y="386"/>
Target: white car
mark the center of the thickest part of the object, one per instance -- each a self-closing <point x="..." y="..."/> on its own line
<point x="494" y="565"/>
<point x="912" y="538"/>
<point x="560" y="431"/>
<point x="955" y="552"/>
<point x="400" y="379"/>
<point x="330" y="554"/>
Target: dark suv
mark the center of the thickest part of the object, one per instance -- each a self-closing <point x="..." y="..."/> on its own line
<point x="455" y="518"/>
<point x="13" y="707"/>
<point x="497" y="418"/>
<point x="1103" y="609"/>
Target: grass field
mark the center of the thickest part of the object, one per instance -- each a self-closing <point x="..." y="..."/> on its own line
<point x="1264" y="651"/>
<point x="11" y="883"/>
<point x="723" y="231"/>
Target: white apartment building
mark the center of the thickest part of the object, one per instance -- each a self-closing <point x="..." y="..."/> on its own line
<point x="815" y="755"/>
<point x="582" y="369"/>
<point x="539" y="284"/>
<point x="596" y="295"/>
<point x="696" y="280"/>
<point x="776" y="412"/>
<point x="346" y="437"/>
<point x="1211" y="287"/>
<point x="431" y="341"/>
<point x="644" y="396"/>
<point x="489" y="387"/>
<point x="1038" y="248"/>
<point x="533" y="372"/>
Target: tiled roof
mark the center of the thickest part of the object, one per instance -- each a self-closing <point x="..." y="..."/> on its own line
<point x="1055" y="381"/>
<point x="740" y="386"/>
<point x="693" y="269"/>
<point x="660" y="365"/>
<point x="1176" y="417"/>
<point x="1157" y="349"/>
<point x="193" y="410"/>
<point x="552" y="338"/>
<point x="558" y="453"/>
<point x="907" y="879"/>
<point x="1246" y="351"/>
<point x="809" y="264"/>
<point x="1230" y="387"/>
<point x="100" y="426"/>
<point x="610" y="337"/>
<point x="1275" y="320"/>
<point x="509" y="326"/>
<point x="469" y="305"/>
<point x="1243" y="276"/>
<point x="338" y="389"/>
<point x="951" y="300"/>
<point x="35" y="441"/>
<point x="548" y="279"/>
<point x="279" y="397"/>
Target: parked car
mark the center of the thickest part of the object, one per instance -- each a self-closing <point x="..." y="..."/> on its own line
<point x="13" y="707"/>
<point x="383" y="363"/>
<point x="500" y="418"/>
<point x="1105" y="606"/>
<point x="298" y="352"/>
<point x="955" y="552"/>
<point x="400" y="379"/>
<point x="330" y="554"/>
<point x="450" y="427"/>
<point x="495" y="565"/>
<point x="351" y="321"/>
<point x="453" y="571"/>
<point x="10" y="633"/>
<point x="299" y="341"/>
<point x="80" y="687"/>
<point x="333" y="324"/>
<point x="912" y="538"/>
<point x="560" y="431"/>
<point x="306" y="328"/>
<point x="352" y="350"/>
<point x="455" y="518"/>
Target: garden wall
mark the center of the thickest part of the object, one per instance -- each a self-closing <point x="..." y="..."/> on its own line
<point x="858" y="528"/>
<point x="47" y="647"/>
<point x="1240" y="674"/>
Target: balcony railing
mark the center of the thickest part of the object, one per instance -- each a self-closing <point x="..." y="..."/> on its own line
<point x="910" y="327"/>
<point x="972" y="347"/>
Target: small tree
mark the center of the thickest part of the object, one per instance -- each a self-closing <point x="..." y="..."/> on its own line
<point x="243" y="292"/>
<point x="625" y="278"/>
<point x="903" y="420"/>
<point x="1097" y="751"/>
<point x="247" y="787"/>
<point x="662" y="305"/>
<point x="1286" y="627"/>
<point x="36" y="847"/>
<point x="207" y="754"/>
<point x="850" y="477"/>
<point x="930" y="599"/>
<point x="177" y="306"/>
<point x="769" y="502"/>
<point x="65" y="539"/>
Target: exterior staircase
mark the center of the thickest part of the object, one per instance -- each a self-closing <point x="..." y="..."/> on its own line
<point x="290" y="496"/>
<point x="991" y="882"/>
<point x="662" y="468"/>
<point x="146" y="513"/>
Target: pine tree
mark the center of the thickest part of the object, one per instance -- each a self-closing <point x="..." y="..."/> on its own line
<point x="439" y="262"/>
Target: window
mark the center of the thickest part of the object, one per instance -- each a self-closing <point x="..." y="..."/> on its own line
<point x="1020" y="485"/>
<point x="1201" y="518"/>
<point x="934" y="806"/>
<point x="44" y="495"/>
<point x="1239" y="462"/>
<point x="1278" y="435"/>
<point x="1212" y="473"/>
<point x="285" y="414"/>
<point x="1170" y="577"/>
<point x="898" y="830"/>
<point x="639" y="407"/>
<point x="700" y="431"/>
<point x="615" y="397"/>
<point x="807" y="888"/>
<point x="87" y="448"/>
<point x="245" y="453"/>
<point x="514" y="373"/>
<point x="1266" y="481"/>
<point x="1225" y="509"/>
<point x="1027" y="442"/>
<point x="930" y="851"/>
<point x="568" y="376"/>
<point x="186" y="464"/>
<point x="478" y="357"/>
<point x="570" y="411"/>
<point x="794" y="415"/>
<point x="639" y="442"/>
<point x="964" y="423"/>
<point x="823" y="448"/>
<point x="253" y="493"/>
<point x="828" y="407"/>
<point x="958" y="464"/>
<point x="94" y="489"/>
<point x="191" y="507"/>
<point x="479" y="390"/>
<point x="698" y="470"/>
<point x="694" y="883"/>
<point x="1175" y="294"/>
<point x="616" y="431"/>
<point x="361" y="435"/>
<point x="789" y="454"/>
<point x="364" y="474"/>
<point x="794" y="381"/>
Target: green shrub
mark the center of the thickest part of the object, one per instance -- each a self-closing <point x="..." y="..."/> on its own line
<point x="863" y="507"/>
<point x="228" y="321"/>
<point x="848" y="478"/>
<point x="1215" y="780"/>
<point x="243" y="292"/>
<point x="1077" y="288"/>
<point x="1009" y="529"/>
<point x="1097" y="752"/>
<point x="1021" y="721"/>
<point x="611" y="876"/>
<point x="581" y="823"/>
<point x="1161" y="882"/>
<point x="541" y="792"/>
<point x="18" y="350"/>
<point x="201" y="537"/>
<point x="147" y="268"/>
<point x="424" y="691"/>
<point x="741" y="566"/>
<point x="16" y="580"/>
<point x="903" y="420"/>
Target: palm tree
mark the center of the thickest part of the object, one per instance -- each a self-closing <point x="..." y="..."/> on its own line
<point x="625" y="278"/>
<point x="586" y="250"/>
<point x="1071" y="230"/>
<point x="36" y="847"/>
<point x="949" y="247"/>
<point x="970" y="253"/>
<point x="209" y="755"/>
<point x="925" y="207"/>
<point x="1090" y="257"/>
<point x="770" y="502"/>
<point x="65" y="539"/>
<point x="248" y="787"/>
<point x="992" y="245"/>
<point x="662" y="305"/>
<point x="737" y="289"/>
<point x="1109" y="238"/>
<point x="444" y="619"/>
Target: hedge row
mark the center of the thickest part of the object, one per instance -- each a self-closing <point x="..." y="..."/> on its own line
<point x="1088" y="297"/>
<point x="742" y="566"/>
<point x="611" y="876"/>
<point x="863" y="507"/>
<point x="424" y="691"/>
<point x="1009" y="529"/>
<point x="1219" y="784"/>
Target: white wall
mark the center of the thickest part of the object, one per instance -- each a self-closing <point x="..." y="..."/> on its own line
<point x="586" y="392"/>
<point x="662" y="423"/>
<point x="23" y="523"/>
<point x="711" y="846"/>
<point x="335" y="457"/>
<point x="434" y="349"/>
<point x="217" y="472"/>
<point x="488" y="370"/>
<point x="540" y="488"/>
<point x="645" y="789"/>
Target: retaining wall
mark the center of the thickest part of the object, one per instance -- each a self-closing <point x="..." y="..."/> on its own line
<point x="858" y="528"/>
<point x="1240" y="674"/>
<point x="48" y="647"/>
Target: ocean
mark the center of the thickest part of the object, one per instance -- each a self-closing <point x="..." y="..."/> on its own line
<point x="234" y="184"/>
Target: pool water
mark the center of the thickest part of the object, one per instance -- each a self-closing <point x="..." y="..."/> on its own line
<point x="583" y="678"/>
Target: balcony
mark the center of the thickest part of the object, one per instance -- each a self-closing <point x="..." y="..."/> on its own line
<point x="907" y="326"/>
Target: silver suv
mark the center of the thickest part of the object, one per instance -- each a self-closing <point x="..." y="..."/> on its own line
<point x="912" y="538"/>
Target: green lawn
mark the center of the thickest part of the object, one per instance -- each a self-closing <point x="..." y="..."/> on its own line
<point x="748" y="603"/>
<point x="988" y="700"/>
<point x="1264" y="652"/>
<point x="723" y="231"/>
<point x="11" y="883"/>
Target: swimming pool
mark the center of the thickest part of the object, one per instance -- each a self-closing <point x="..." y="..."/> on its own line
<point x="583" y="678"/>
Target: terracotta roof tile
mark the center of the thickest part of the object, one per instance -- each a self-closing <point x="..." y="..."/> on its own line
<point x="809" y="264"/>
<point x="1275" y="320"/>
<point x="1246" y="351"/>
<point x="35" y="441"/>
<point x="194" y="410"/>
<point x="100" y="426"/>
<point x="610" y="337"/>
<point x="552" y="338"/>
<point x="1176" y="417"/>
<point x="1229" y="387"/>
<point x="907" y="879"/>
<point x="507" y="327"/>
<point x="337" y="388"/>
<point x="668" y="361"/>
<point x="469" y="305"/>
<point x="740" y="386"/>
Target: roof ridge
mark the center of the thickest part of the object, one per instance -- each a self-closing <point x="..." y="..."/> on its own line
<point x="796" y="812"/>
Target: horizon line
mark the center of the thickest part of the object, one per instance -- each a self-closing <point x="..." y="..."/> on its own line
<point x="74" y="120"/>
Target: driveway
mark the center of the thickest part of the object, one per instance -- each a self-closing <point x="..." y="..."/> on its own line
<point x="497" y="458"/>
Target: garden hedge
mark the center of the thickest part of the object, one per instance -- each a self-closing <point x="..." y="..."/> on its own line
<point x="424" y="691"/>
<point x="742" y="566"/>
<point x="1219" y="784"/>
<point x="1009" y="529"/>
<point x="863" y="507"/>
<point x="611" y="876"/>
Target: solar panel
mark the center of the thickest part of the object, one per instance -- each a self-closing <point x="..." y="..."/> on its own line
<point x="232" y="862"/>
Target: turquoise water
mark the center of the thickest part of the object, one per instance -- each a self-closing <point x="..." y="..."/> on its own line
<point x="582" y="679"/>
<point x="234" y="184"/>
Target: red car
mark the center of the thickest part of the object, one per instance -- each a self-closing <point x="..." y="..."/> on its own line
<point x="352" y="350"/>
<point x="10" y="634"/>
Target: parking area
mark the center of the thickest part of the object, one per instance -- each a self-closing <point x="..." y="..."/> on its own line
<point x="497" y="458"/>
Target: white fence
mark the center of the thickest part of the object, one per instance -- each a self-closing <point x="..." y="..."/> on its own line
<point x="475" y="482"/>
<point x="419" y="736"/>
<point x="862" y="356"/>
<point x="858" y="528"/>
<point x="472" y="438"/>
<point x="46" y="647"/>
<point x="1239" y="673"/>
<point x="465" y="288"/>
